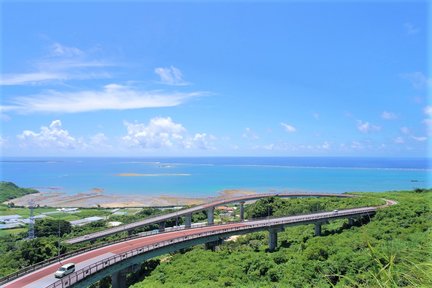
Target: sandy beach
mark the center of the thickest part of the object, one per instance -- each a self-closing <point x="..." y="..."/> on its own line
<point x="97" y="198"/>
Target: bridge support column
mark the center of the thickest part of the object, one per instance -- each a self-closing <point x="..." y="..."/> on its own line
<point x="212" y="245"/>
<point x="318" y="229"/>
<point x="188" y="220"/>
<point x="273" y="238"/>
<point x="118" y="279"/>
<point x="162" y="226"/>
<point x="350" y="221"/>
<point x="129" y="232"/>
<point x="242" y="210"/>
<point x="210" y="215"/>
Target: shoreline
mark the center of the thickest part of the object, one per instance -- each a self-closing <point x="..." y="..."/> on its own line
<point x="97" y="199"/>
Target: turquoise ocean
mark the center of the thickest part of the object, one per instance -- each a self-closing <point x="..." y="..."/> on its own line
<point x="203" y="177"/>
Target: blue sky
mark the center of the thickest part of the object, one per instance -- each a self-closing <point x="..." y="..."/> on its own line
<point x="215" y="78"/>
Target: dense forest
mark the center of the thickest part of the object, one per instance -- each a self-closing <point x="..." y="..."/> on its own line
<point x="9" y="190"/>
<point x="393" y="249"/>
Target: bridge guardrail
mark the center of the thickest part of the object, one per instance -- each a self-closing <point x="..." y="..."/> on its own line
<point x="50" y="261"/>
<point x="204" y="206"/>
<point x="102" y="264"/>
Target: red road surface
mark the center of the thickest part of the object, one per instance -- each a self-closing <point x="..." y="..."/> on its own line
<point x="115" y="249"/>
<point x="122" y="247"/>
<point x="183" y="212"/>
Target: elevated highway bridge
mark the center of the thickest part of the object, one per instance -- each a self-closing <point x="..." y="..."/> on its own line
<point x="187" y="213"/>
<point x="117" y="258"/>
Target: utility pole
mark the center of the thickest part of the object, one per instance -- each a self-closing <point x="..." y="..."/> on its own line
<point x="58" y="242"/>
<point x="31" y="233"/>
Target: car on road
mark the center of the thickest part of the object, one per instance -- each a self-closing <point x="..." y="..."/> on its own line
<point x="65" y="270"/>
<point x="335" y="211"/>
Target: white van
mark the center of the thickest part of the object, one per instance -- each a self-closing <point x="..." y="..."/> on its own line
<point x="65" y="270"/>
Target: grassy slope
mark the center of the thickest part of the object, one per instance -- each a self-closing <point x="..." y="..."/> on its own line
<point x="9" y="190"/>
<point x="393" y="250"/>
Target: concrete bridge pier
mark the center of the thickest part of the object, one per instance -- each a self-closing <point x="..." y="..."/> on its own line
<point x="350" y="221"/>
<point x="162" y="226"/>
<point x="318" y="229"/>
<point x="188" y="220"/>
<point x="118" y="279"/>
<point x="273" y="237"/>
<point x="210" y="215"/>
<point x="212" y="245"/>
<point x="242" y="210"/>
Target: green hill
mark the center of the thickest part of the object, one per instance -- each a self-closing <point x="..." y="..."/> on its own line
<point x="9" y="190"/>
<point x="392" y="250"/>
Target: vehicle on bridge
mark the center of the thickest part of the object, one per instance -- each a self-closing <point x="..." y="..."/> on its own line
<point x="65" y="270"/>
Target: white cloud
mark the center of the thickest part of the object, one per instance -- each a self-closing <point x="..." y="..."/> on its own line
<point x="366" y="127"/>
<point x="269" y="147"/>
<point x="62" y="63"/>
<point x="3" y="142"/>
<point x="163" y="132"/>
<point x="160" y="132"/>
<point x="249" y="134"/>
<point x="357" y="145"/>
<point x="170" y="76"/>
<point x="399" y="140"/>
<point x="201" y="141"/>
<point x="428" y="123"/>
<point x="325" y="146"/>
<point x="111" y="97"/>
<point x="418" y="79"/>
<point x="288" y="128"/>
<point x="428" y="110"/>
<point x="99" y="140"/>
<point x="51" y="136"/>
<point x="58" y="49"/>
<point x="31" y="78"/>
<point x="388" y="115"/>
<point x="419" y="139"/>
<point x="405" y="130"/>
<point x="410" y="28"/>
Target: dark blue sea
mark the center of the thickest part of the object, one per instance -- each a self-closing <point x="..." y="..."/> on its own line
<point x="200" y="177"/>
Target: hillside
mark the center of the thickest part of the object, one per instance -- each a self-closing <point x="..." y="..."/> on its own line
<point x="9" y="190"/>
<point x="392" y="250"/>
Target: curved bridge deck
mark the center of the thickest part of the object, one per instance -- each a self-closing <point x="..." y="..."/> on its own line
<point x="95" y="264"/>
<point x="188" y="212"/>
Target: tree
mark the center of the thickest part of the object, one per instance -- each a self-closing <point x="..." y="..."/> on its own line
<point x="47" y="227"/>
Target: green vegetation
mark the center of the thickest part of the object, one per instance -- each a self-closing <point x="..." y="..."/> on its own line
<point x="18" y="252"/>
<point x="12" y="231"/>
<point x="9" y="190"/>
<point x="275" y="206"/>
<point x="48" y="227"/>
<point x="392" y="250"/>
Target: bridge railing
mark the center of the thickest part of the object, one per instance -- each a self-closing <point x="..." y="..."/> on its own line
<point x="183" y="212"/>
<point x="50" y="261"/>
<point x="104" y="263"/>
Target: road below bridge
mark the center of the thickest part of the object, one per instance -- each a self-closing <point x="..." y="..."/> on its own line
<point x="187" y="213"/>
